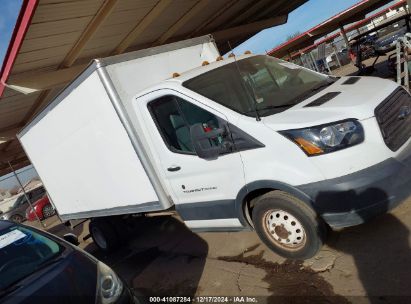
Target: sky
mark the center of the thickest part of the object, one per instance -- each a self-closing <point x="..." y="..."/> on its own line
<point x="9" y="10"/>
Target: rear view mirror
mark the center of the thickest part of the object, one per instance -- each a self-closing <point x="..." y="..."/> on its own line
<point x="204" y="142"/>
<point x="71" y="238"/>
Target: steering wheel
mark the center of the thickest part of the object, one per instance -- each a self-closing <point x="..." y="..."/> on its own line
<point x="17" y="261"/>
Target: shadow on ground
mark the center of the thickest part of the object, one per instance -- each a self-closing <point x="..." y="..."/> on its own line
<point x="179" y="257"/>
<point x="380" y="69"/>
<point x="382" y="255"/>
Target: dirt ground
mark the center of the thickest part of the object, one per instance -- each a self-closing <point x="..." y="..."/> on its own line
<point x="165" y="258"/>
<point x="381" y="68"/>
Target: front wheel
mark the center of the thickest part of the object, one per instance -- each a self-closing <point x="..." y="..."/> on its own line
<point x="288" y="226"/>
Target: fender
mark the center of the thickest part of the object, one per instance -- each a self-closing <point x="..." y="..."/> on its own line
<point x="267" y="184"/>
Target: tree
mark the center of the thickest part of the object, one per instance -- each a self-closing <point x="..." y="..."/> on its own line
<point x="291" y="36"/>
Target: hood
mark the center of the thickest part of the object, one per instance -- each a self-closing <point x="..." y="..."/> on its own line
<point x="356" y="100"/>
<point x="73" y="279"/>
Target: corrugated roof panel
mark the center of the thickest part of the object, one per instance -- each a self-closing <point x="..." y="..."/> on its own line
<point x="59" y="27"/>
<point x="134" y="4"/>
<point x="167" y="18"/>
<point x="66" y="10"/>
<point x="44" y="53"/>
<point x="52" y="61"/>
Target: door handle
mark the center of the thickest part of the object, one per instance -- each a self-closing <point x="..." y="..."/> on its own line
<point x="174" y="168"/>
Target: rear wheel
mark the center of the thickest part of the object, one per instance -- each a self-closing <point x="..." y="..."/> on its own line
<point x="104" y="234"/>
<point x="48" y="211"/>
<point x="17" y="218"/>
<point x="288" y="226"/>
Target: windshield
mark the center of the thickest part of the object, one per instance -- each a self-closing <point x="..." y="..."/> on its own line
<point x="266" y="83"/>
<point x="22" y="252"/>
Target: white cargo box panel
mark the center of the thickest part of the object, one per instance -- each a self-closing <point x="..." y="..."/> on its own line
<point x="85" y="158"/>
<point x="87" y="145"/>
<point x="135" y="71"/>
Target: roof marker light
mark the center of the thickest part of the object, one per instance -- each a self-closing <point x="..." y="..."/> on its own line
<point x="175" y="75"/>
<point x="247" y="52"/>
<point x="205" y="63"/>
<point x="231" y="55"/>
<point x="219" y="58"/>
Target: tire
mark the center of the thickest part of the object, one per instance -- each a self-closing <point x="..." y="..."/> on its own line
<point x="48" y="211"/>
<point x="288" y="226"/>
<point x="104" y="235"/>
<point x="17" y="218"/>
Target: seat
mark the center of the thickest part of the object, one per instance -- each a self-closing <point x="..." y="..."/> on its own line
<point x="182" y="132"/>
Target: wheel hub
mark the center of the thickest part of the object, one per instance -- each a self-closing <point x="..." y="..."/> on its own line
<point x="281" y="232"/>
<point x="285" y="229"/>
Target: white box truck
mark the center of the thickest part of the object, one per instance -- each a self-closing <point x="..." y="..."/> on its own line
<point x="247" y="142"/>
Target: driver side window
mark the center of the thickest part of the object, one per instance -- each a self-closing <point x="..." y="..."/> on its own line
<point x="174" y="117"/>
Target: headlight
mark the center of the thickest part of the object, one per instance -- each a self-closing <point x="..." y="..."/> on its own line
<point x="327" y="138"/>
<point x="109" y="285"/>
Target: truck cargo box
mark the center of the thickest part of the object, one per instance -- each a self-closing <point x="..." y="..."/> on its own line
<point x="86" y="145"/>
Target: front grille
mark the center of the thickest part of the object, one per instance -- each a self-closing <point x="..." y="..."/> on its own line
<point x="394" y="118"/>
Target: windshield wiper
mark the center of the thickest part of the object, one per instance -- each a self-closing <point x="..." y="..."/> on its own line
<point x="49" y="262"/>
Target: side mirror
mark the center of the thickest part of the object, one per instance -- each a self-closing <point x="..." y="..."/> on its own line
<point x="71" y="238"/>
<point x="203" y="141"/>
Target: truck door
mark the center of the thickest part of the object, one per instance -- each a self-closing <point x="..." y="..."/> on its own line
<point x="204" y="190"/>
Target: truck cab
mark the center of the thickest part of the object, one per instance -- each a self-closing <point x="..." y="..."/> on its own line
<point x="256" y="142"/>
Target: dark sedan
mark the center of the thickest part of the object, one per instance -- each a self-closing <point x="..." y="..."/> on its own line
<point x="36" y="267"/>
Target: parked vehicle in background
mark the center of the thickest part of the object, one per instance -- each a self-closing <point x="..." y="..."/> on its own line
<point x="42" y="207"/>
<point x="388" y="43"/>
<point x="37" y="267"/>
<point x="7" y="204"/>
<point x="246" y="142"/>
<point x="17" y="213"/>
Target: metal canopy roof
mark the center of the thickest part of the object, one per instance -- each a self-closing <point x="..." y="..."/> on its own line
<point x="354" y="13"/>
<point x="55" y="39"/>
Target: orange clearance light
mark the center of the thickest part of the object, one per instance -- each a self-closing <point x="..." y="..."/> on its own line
<point x="175" y="75"/>
<point x="219" y="58"/>
<point x="231" y="55"/>
<point x="247" y="52"/>
<point x="205" y="63"/>
<point x="308" y="147"/>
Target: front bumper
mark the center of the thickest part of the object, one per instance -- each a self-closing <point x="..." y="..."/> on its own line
<point x="352" y="199"/>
